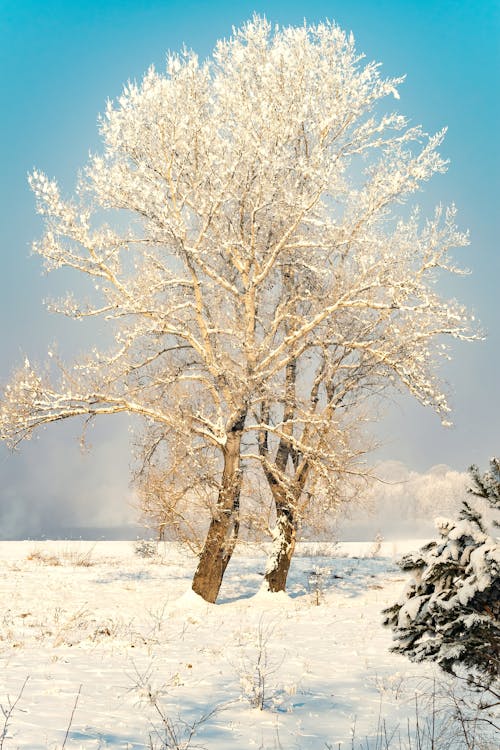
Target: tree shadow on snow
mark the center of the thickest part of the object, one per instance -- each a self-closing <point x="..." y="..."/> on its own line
<point x="309" y="575"/>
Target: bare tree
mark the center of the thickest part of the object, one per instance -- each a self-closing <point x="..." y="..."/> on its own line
<point x="259" y="279"/>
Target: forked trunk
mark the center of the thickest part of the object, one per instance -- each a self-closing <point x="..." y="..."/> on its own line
<point x="284" y="536"/>
<point x="224" y="527"/>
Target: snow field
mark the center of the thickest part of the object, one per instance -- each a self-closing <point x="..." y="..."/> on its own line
<point x="126" y="641"/>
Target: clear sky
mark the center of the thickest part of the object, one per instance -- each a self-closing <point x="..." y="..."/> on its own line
<point x="61" y="60"/>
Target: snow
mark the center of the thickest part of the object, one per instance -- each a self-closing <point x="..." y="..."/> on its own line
<point x="266" y="598"/>
<point x="409" y="611"/>
<point x="124" y="637"/>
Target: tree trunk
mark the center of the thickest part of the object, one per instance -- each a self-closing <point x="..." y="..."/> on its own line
<point x="224" y="527"/>
<point x="284" y="536"/>
<point x="285" y="531"/>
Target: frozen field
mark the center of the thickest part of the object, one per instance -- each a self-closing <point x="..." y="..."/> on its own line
<point x="115" y="651"/>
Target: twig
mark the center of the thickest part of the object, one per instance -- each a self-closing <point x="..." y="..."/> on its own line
<point x="7" y="712"/>
<point x="71" y="717"/>
<point x="178" y="735"/>
<point x="433" y="730"/>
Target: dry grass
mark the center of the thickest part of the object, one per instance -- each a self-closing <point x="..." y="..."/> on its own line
<point x="73" y="557"/>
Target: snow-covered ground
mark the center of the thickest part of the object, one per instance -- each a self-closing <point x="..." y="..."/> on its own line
<point x="115" y="651"/>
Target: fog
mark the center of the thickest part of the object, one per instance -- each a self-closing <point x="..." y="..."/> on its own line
<point x="53" y="490"/>
<point x="404" y="503"/>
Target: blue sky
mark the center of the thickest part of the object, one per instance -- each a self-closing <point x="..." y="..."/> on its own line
<point x="60" y="61"/>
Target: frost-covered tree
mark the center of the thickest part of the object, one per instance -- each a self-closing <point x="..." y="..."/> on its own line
<point x="450" y="610"/>
<point x="245" y="231"/>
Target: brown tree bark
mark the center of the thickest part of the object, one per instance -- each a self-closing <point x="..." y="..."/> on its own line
<point x="224" y="527"/>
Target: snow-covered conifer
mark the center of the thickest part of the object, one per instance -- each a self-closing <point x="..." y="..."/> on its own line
<point x="487" y="486"/>
<point x="450" y="609"/>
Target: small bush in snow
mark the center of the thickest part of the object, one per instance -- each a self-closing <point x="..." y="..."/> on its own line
<point x="376" y="545"/>
<point x="450" y="610"/>
<point x="146" y="548"/>
<point x="317" y="579"/>
<point x="257" y="666"/>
